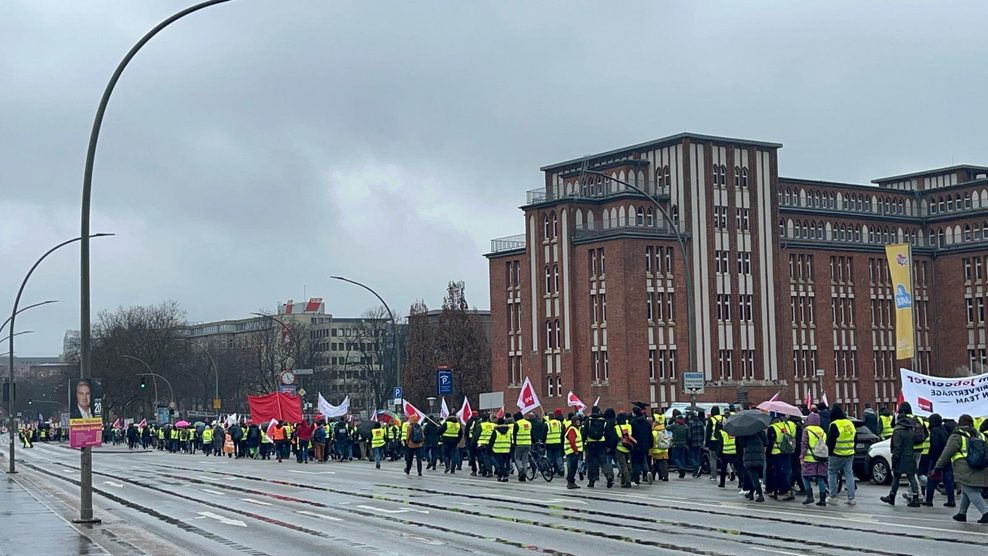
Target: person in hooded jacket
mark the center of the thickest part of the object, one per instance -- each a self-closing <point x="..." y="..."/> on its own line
<point x="970" y="480"/>
<point x="219" y="437"/>
<point x="641" y="430"/>
<point x="938" y="441"/>
<point x="253" y="440"/>
<point x="903" y="460"/>
<point x="841" y="434"/>
<point x="813" y="468"/>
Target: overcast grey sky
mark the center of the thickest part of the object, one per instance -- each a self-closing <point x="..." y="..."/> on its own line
<point x="255" y="148"/>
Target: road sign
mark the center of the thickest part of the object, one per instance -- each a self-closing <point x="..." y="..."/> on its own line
<point x="286" y="388"/>
<point x="397" y="395"/>
<point x="301" y="391"/>
<point x="693" y="383"/>
<point x="820" y="372"/>
<point x="216" y="403"/>
<point x="444" y="381"/>
<point x="303" y="371"/>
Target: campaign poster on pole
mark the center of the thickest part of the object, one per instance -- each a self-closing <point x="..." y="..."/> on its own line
<point x="86" y="413"/>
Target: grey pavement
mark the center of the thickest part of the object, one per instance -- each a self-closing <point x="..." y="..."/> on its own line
<point x="159" y="503"/>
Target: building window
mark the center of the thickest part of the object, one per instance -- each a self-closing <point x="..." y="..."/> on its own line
<point x="548" y="334"/>
<point x="548" y="280"/>
<point x="559" y="344"/>
<point x="593" y="263"/>
<point x="720" y="218"/>
<point x="648" y="306"/>
<point x="596" y="366"/>
<point x="594" y="308"/>
<point x="744" y="307"/>
<point x="723" y="307"/>
<point x="726" y="366"/>
<point x="744" y="262"/>
<point x="651" y="364"/>
<point x="640" y="217"/>
<point x="603" y="308"/>
<point x="555" y="226"/>
<point x="600" y="260"/>
<point x="604" y="363"/>
<point x="546" y="227"/>
<point x="721" y="265"/>
<point x="969" y="303"/>
<point x="648" y="259"/>
<point x="742" y="219"/>
<point x="555" y="278"/>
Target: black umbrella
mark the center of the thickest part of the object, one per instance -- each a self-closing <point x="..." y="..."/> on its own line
<point x="747" y="423"/>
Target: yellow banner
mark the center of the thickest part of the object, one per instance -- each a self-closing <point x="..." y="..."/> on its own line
<point x="900" y="259"/>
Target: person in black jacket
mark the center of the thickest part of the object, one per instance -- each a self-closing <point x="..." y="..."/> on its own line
<point x="431" y="432"/>
<point x="753" y="462"/>
<point x="641" y="431"/>
<point x="903" y="459"/>
<point x="938" y="440"/>
<point x="470" y="432"/>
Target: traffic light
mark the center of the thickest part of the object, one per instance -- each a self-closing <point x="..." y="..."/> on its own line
<point x="144" y="383"/>
<point x="30" y="401"/>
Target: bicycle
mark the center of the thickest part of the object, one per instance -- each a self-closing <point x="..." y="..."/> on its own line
<point x="537" y="461"/>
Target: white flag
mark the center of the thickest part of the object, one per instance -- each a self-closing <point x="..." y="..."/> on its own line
<point x="231" y="419"/>
<point x="527" y="399"/>
<point x="444" y="410"/>
<point x="330" y="411"/>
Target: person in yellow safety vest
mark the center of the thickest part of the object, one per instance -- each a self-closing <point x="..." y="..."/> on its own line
<point x="501" y="448"/>
<point x="554" y="441"/>
<point x="207" y="440"/>
<point x="573" y="448"/>
<point x="813" y="467"/>
<point x="840" y="443"/>
<point x="378" y="434"/>
<point x="484" y="455"/>
<point x="923" y="455"/>
<point x="782" y="439"/>
<point x="885" y="421"/>
<point x="659" y="453"/>
<point x="714" y="423"/>
<point x="522" y="440"/>
<point x="266" y="444"/>
<point x="173" y="440"/>
<point x="979" y="424"/>
<point x="970" y="480"/>
<point x="161" y="438"/>
<point x="451" y="432"/>
<point x="622" y="453"/>
<point x="728" y="455"/>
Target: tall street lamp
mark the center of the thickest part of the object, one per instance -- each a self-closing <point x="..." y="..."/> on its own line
<point x="22" y="309"/>
<point x="687" y="269"/>
<point x="155" y="376"/>
<point x="86" y="472"/>
<point x="284" y="327"/>
<point x="13" y="320"/>
<point x="394" y="325"/>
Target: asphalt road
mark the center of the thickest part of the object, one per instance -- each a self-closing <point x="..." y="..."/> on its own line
<point x="159" y="503"/>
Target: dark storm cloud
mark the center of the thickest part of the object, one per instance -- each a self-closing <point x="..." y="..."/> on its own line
<point x="255" y="148"/>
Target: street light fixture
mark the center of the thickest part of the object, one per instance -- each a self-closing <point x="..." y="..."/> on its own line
<point x="22" y="309"/>
<point x="687" y="269"/>
<point x="86" y="471"/>
<point x="13" y="319"/>
<point x="394" y="326"/>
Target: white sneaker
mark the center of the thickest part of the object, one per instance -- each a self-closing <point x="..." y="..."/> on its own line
<point x="851" y="502"/>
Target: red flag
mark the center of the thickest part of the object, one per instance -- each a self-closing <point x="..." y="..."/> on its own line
<point x="410" y="410"/>
<point x="143" y="423"/>
<point x="117" y="424"/>
<point x="465" y="412"/>
<point x="527" y="399"/>
<point x="573" y="401"/>
<point x="899" y="400"/>
<point x="824" y="400"/>
<point x="500" y="413"/>
<point x="808" y="400"/>
<point x="271" y="425"/>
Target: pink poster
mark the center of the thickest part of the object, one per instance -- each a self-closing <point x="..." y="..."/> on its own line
<point x="86" y="433"/>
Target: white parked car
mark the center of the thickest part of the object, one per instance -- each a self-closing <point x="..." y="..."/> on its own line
<point x="880" y="462"/>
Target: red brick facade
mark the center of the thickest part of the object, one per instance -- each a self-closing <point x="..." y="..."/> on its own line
<point x="789" y="277"/>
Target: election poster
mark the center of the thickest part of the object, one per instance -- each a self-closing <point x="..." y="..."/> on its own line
<point x="949" y="397"/>
<point x="86" y="413"/>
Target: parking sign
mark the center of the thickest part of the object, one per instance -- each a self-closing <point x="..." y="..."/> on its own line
<point x="398" y="393"/>
<point x="444" y="381"/>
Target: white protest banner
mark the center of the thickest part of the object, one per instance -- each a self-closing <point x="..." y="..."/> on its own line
<point x="331" y="411"/>
<point x="949" y="397"/>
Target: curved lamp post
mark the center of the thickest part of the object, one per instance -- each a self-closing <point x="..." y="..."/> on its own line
<point x="394" y="325"/>
<point x="86" y="472"/>
<point x="155" y="376"/>
<point x="690" y="309"/>
<point x="22" y="309"/>
<point x="13" y="320"/>
<point x="216" y="372"/>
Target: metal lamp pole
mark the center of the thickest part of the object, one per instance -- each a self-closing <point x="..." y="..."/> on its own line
<point x="13" y="321"/>
<point x="394" y="325"/>
<point x="690" y="310"/>
<point x="86" y="491"/>
<point x="151" y="373"/>
<point x="216" y="372"/>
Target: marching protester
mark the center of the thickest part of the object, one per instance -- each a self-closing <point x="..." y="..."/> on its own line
<point x="904" y="461"/>
<point x="971" y="476"/>
<point x="813" y="456"/>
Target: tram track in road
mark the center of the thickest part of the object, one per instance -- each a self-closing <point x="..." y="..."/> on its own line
<point x="388" y="519"/>
<point x="545" y="510"/>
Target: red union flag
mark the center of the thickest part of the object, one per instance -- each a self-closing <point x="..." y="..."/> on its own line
<point x="410" y="410"/>
<point x="465" y="412"/>
<point x="527" y="400"/>
<point x="500" y="413"/>
<point x="808" y="400"/>
<point x="573" y="401"/>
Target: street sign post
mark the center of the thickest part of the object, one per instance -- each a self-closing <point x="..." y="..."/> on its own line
<point x="397" y="395"/>
<point x="693" y="385"/>
<point x="444" y="381"/>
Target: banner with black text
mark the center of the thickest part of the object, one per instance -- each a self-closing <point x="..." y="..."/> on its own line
<point x="949" y="397"/>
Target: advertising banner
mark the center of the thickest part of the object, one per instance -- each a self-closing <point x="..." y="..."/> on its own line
<point x="85" y="413"/>
<point x="950" y="397"/>
<point x="900" y="258"/>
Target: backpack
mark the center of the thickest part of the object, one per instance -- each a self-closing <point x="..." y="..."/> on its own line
<point x="627" y="440"/>
<point x="787" y="444"/>
<point x="415" y="434"/>
<point x="977" y="452"/>
<point x="819" y="449"/>
<point x="341" y="432"/>
<point x="664" y="441"/>
<point x="596" y="429"/>
<point x="919" y="433"/>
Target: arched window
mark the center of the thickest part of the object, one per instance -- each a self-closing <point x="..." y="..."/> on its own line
<point x="666" y="176"/>
<point x="650" y="217"/>
<point x="555" y="225"/>
<point x="782" y="228"/>
<point x="942" y="206"/>
<point x="941" y="238"/>
<point x="950" y="204"/>
<point x="737" y="176"/>
<point x="967" y="232"/>
<point x="640" y="217"/>
<point x="548" y="280"/>
<point x="723" y="174"/>
<point x="744" y="177"/>
<point x="546" y="227"/>
<point x="549" y="336"/>
<point x="555" y="277"/>
<point x="675" y="214"/>
<point x="556" y="326"/>
<point x="716" y="174"/>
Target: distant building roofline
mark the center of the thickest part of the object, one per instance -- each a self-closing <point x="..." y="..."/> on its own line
<point x="931" y="172"/>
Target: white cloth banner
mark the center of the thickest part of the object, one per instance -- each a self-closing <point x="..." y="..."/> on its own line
<point x="949" y="397"/>
<point x="330" y="411"/>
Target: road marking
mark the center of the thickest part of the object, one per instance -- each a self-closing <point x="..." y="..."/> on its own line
<point x="553" y="501"/>
<point x="321" y="516"/>
<point x="401" y="511"/>
<point x="774" y="551"/>
<point x="258" y="502"/>
<point x="113" y="484"/>
<point x="213" y="492"/>
<point x="312" y="472"/>
<point x="223" y="520"/>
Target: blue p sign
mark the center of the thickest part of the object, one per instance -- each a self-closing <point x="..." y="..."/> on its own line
<point x="398" y="392"/>
<point x="444" y="381"/>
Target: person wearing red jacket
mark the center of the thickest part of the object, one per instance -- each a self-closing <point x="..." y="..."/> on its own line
<point x="304" y="432"/>
<point x="573" y="447"/>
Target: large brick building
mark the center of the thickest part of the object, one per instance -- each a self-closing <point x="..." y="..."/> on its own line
<point x="789" y="277"/>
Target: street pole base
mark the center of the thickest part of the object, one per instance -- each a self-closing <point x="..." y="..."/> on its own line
<point x="90" y="521"/>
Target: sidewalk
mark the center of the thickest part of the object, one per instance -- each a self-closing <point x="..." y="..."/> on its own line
<point x="28" y="526"/>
